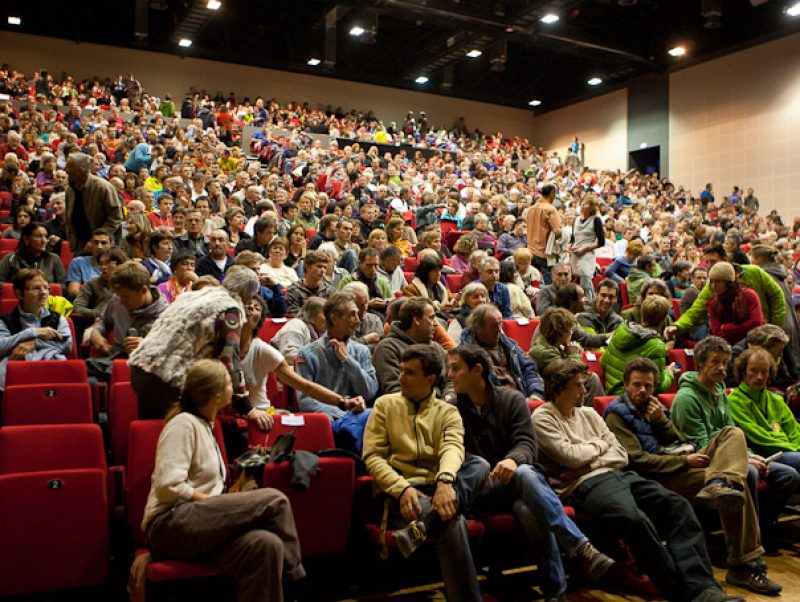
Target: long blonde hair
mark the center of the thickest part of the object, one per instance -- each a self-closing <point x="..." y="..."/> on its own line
<point x="204" y="379"/>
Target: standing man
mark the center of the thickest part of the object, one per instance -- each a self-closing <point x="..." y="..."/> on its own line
<point x="543" y="220"/>
<point x="427" y="482"/>
<point x="92" y="203"/>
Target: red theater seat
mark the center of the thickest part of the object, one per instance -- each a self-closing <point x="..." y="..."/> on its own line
<point x="47" y="404"/>
<point x="521" y="333"/>
<point x="315" y="433"/>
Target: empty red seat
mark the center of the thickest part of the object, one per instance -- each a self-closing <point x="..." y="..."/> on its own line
<point x="667" y="399"/>
<point x="123" y="408"/>
<point x="46" y="371"/>
<point x="592" y="361"/>
<point x="54" y="403"/>
<point x="521" y="333"/>
<point x="313" y="435"/>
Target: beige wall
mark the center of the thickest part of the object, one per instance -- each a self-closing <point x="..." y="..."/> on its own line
<point x="601" y="124"/>
<point x="736" y="121"/>
<point x="161" y="73"/>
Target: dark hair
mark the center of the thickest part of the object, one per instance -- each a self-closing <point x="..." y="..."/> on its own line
<point x="27" y="232"/>
<point x="389" y="252"/>
<point x="367" y="252"/>
<point x="740" y="366"/>
<point x="156" y="239"/>
<point x="114" y="254"/>
<point x="680" y="266"/>
<point x="558" y="373"/>
<point x="264" y="314"/>
<point x="430" y="360"/>
<point x="640" y="364"/>
<point x="178" y="258"/>
<point x="567" y="296"/>
<point x="645" y="261"/>
<point x="607" y="283"/>
<point x="718" y="250"/>
<point x="425" y="266"/>
<point x="548" y="189"/>
<point x="21" y="209"/>
<point x="707" y="346"/>
<point x="767" y="335"/>
<point x="473" y="355"/>
<point x="698" y="268"/>
<point x="508" y="271"/>
<point x="556" y="321"/>
<point x="262" y="223"/>
<point x="413" y="308"/>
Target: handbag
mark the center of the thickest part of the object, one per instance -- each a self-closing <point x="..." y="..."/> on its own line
<point x="250" y="464"/>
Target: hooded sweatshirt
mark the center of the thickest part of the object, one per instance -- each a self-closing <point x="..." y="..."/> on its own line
<point x="699" y="412"/>
<point x="634" y="282"/>
<point x="765" y="418"/>
<point x="632" y="340"/>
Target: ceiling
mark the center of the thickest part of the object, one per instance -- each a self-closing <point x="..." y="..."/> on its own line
<point x="615" y="40"/>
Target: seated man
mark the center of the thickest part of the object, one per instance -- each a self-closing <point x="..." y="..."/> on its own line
<point x="96" y="293"/>
<point x="380" y="291"/>
<point x="84" y="267"/>
<point x="561" y="274"/>
<point x="701" y="410"/>
<point x="511" y="366"/>
<point x="338" y="362"/>
<point x="30" y="331"/>
<point x="416" y="324"/>
<point x="601" y="318"/>
<point x="715" y="476"/>
<point x="773" y="339"/>
<point x="298" y="332"/>
<point x="498" y="292"/>
<point x="390" y="268"/>
<point x="217" y="262"/>
<point x="428" y="481"/>
<point x="129" y="314"/>
<point x="370" y="329"/>
<point x="497" y="427"/>
<point x="586" y="466"/>
<point x="193" y="241"/>
<point x="312" y="285"/>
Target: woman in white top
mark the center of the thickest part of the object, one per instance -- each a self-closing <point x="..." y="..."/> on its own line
<point x="189" y="517"/>
<point x="307" y="327"/>
<point x="275" y="266"/>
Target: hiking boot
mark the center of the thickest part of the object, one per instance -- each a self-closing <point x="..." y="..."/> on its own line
<point x="594" y="564"/>
<point x="717" y="495"/>
<point x="715" y="594"/>
<point x="752" y="577"/>
<point x="409" y="538"/>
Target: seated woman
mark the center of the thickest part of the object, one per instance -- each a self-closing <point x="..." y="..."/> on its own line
<point x="427" y="282"/>
<point x="632" y="339"/>
<point x="520" y="302"/>
<point x="307" y="327"/>
<point x="472" y="295"/>
<point x="136" y="243"/>
<point x="763" y="415"/>
<point x="183" y="276"/>
<point x="483" y="235"/>
<point x="296" y="251"/>
<point x="190" y="517"/>
<point x="462" y="251"/>
<point x="158" y="263"/>
<point x="30" y="331"/>
<point x="21" y="216"/>
<point x="234" y="226"/>
<point x="622" y="265"/>
<point x="555" y="342"/>
<point x="275" y="267"/>
<point x="395" y="236"/>
<point x="733" y="310"/>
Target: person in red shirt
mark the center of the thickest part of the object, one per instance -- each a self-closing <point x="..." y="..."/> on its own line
<point x="733" y="310"/>
<point x="162" y="219"/>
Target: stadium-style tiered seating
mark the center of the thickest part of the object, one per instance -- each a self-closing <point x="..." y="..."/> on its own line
<point x="62" y="403"/>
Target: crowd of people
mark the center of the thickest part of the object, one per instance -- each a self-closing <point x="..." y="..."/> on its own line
<point x="396" y="274"/>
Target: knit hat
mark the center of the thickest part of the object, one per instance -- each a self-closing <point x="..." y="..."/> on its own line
<point x="722" y="271"/>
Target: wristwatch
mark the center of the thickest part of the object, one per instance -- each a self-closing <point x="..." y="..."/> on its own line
<point x="343" y="403"/>
<point x="446" y="477"/>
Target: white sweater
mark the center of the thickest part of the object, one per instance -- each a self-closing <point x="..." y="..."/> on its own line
<point x="188" y="459"/>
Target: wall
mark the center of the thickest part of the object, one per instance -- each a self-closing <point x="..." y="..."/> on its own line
<point x="161" y="73"/>
<point x="601" y="124"/>
<point x="735" y="121"/>
<point x="648" y="116"/>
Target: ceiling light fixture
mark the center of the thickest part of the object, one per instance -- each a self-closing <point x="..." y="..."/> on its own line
<point x="213" y="4"/>
<point x="184" y="43"/>
<point x="549" y="19"/>
<point x="792" y="11"/>
<point x="595" y="81"/>
<point x="357" y="31"/>
<point x="313" y="62"/>
<point x="474" y="53"/>
<point x="422" y="79"/>
<point x="535" y="103"/>
<point x="677" y="51"/>
<point x="14" y="21"/>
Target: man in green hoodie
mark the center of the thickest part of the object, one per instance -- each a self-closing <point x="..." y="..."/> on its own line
<point x="773" y="303"/>
<point x="701" y="410"/>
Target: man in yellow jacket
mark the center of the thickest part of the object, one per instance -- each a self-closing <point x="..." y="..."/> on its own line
<point x="414" y="449"/>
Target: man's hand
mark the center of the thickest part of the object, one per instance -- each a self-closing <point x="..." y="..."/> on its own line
<point x="355" y="404"/>
<point x="758" y="462"/>
<point x="670" y="332"/>
<point x="262" y="419"/>
<point x="131" y="343"/>
<point x="20" y="351"/>
<point x="444" y="501"/>
<point x="697" y="460"/>
<point x="654" y="411"/>
<point x="504" y="470"/>
<point x="377" y="303"/>
<point x="100" y="343"/>
<point x="410" y="507"/>
<point x="371" y="338"/>
<point x="47" y="334"/>
<point x="340" y="349"/>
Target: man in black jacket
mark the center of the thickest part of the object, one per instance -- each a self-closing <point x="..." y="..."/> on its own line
<point x="497" y="427"/>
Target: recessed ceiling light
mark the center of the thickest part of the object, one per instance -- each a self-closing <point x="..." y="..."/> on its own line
<point x="595" y="81"/>
<point x="535" y="103"/>
<point x="313" y="62"/>
<point x="549" y="18"/>
<point x="793" y="10"/>
<point x="185" y="43"/>
<point x="422" y="79"/>
<point x="14" y="21"/>
<point x="213" y="4"/>
<point x="474" y="53"/>
<point x="677" y="51"/>
<point x="356" y="31"/>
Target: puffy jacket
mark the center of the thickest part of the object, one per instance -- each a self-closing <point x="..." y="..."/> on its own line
<point x="699" y="412"/>
<point x="632" y="340"/>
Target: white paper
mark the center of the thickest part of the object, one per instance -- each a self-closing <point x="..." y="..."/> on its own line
<point x="591" y="356"/>
<point x="279" y="320"/>
<point x="523" y="321"/>
<point x="293" y="420"/>
<point x="689" y="352"/>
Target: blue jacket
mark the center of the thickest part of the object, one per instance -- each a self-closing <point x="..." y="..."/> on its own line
<point x="502" y="299"/>
<point x="640" y="426"/>
<point x="521" y="366"/>
<point x="139" y="157"/>
<point x="619" y="268"/>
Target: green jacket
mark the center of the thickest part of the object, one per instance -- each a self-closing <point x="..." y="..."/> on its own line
<point x="634" y="282"/>
<point x="383" y="285"/>
<point x="698" y="412"/>
<point x="767" y="422"/>
<point x="773" y="303"/>
<point x="632" y="340"/>
<point x="543" y="353"/>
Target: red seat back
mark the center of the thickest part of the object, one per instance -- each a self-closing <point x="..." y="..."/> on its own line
<point x="120" y="372"/>
<point x="676" y="308"/>
<point x="8" y="290"/>
<point x="592" y="360"/>
<point x="533" y="405"/>
<point x="38" y="448"/>
<point x="142" y="442"/>
<point x="667" y="399"/>
<point x="623" y="291"/>
<point x="410" y="264"/>
<point x="270" y="328"/>
<point x="453" y="282"/>
<point x="8" y="245"/>
<point x="601" y="403"/>
<point x="47" y="404"/>
<point x="521" y="333"/>
<point x="315" y="434"/>
<point x="409" y="276"/>
<point x="46" y="371"/>
<point x="684" y="357"/>
<point x="123" y="409"/>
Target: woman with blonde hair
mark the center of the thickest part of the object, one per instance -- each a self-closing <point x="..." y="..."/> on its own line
<point x="136" y="244"/>
<point x="462" y="250"/>
<point x="394" y="235"/>
<point x="377" y="240"/>
<point x="190" y="517"/>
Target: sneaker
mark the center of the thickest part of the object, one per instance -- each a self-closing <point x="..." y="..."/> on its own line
<point x="750" y="576"/>
<point x="715" y="594"/>
<point x="594" y="563"/>
<point x="718" y="495"/>
<point x="409" y="538"/>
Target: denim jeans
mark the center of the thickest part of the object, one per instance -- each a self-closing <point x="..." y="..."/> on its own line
<point x="783" y="481"/>
<point x="348" y="260"/>
<point x="547" y="528"/>
<point x="540" y="263"/>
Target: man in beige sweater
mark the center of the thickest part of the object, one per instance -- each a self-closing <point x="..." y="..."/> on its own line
<point x="586" y="466"/>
